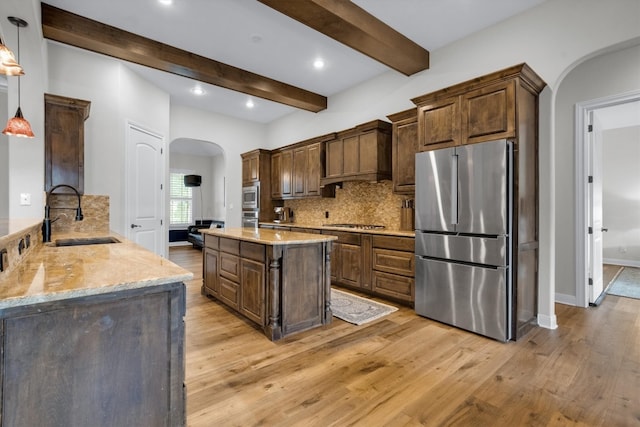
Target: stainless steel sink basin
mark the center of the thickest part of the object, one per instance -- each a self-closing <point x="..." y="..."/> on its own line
<point x="81" y="241"/>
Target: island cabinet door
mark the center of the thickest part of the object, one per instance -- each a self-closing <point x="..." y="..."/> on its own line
<point x="211" y="282"/>
<point x="252" y="294"/>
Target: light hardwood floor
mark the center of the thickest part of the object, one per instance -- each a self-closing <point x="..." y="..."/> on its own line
<point x="405" y="370"/>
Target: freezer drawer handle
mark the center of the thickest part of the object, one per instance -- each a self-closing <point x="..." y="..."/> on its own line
<point x="454" y="189"/>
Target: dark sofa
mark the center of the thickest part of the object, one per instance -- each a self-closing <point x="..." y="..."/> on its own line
<point x="194" y="236"/>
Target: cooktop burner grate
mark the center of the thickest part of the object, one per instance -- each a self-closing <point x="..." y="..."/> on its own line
<point x="360" y="226"/>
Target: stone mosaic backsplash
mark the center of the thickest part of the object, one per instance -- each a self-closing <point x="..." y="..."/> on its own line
<point x="356" y="202"/>
<point x="94" y="208"/>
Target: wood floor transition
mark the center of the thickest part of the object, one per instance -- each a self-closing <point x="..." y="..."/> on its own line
<point x="405" y="370"/>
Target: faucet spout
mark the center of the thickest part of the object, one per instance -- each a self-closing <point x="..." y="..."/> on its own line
<point x="46" y="223"/>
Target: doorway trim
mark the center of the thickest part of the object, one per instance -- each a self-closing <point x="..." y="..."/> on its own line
<point x="583" y="151"/>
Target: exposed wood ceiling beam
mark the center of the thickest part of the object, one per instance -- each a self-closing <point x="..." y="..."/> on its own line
<point x="351" y="25"/>
<point x="75" y="30"/>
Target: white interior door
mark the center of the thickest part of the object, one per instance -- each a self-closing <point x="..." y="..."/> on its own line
<point x="595" y="238"/>
<point x="145" y="174"/>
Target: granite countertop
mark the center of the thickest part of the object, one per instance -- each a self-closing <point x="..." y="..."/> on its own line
<point x="51" y="273"/>
<point x="268" y="236"/>
<point x="383" y="231"/>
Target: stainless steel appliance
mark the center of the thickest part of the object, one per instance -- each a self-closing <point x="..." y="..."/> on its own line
<point x="283" y="214"/>
<point x="250" y="219"/>
<point x="251" y="197"/>
<point x="463" y="230"/>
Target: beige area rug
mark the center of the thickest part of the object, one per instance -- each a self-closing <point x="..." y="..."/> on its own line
<point x="357" y="310"/>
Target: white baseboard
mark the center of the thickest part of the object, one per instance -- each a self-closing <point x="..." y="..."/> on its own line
<point x="622" y="262"/>
<point x="183" y="243"/>
<point x="548" y="322"/>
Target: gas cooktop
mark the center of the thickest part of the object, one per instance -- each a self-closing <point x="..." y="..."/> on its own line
<point x="361" y="226"/>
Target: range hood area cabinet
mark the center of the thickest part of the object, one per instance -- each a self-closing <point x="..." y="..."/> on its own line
<point x="359" y="154"/>
<point x="64" y="142"/>
<point x="296" y="170"/>
<point x="404" y="146"/>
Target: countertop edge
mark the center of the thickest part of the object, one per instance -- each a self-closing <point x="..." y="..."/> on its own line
<point x="267" y="236"/>
<point x="382" y="232"/>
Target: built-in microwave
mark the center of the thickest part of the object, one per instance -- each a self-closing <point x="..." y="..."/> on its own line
<point x="251" y="197"/>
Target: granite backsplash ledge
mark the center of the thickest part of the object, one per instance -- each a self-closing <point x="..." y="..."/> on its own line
<point x="356" y="202"/>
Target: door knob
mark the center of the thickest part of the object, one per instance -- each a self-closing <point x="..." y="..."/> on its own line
<point x="135" y="226"/>
<point x="604" y="230"/>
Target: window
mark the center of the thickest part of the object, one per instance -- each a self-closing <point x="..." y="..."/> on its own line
<point x="181" y="200"/>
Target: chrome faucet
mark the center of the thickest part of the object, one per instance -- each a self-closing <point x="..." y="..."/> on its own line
<point x="46" y="223"/>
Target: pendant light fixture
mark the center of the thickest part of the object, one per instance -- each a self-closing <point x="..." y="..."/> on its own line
<point x="18" y="125"/>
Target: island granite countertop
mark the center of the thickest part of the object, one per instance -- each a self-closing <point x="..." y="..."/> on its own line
<point x="51" y="273"/>
<point x="267" y="236"/>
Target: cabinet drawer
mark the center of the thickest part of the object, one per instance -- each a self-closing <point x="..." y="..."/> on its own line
<point x="397" y="243"/>
<point x="229" y="293"/>
<point x="344" y="237"/>
<point x="230" y="266"/>
<point x="230" y="246"/>
<point x="211" y="242"/>
<point x="394" y="286"/>
<point x="254" y="251"/>
<point x="395" y="262"/>
<point x="305" y="230"/>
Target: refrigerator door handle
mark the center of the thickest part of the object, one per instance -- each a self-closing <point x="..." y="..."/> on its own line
<point x="454" y="189"/>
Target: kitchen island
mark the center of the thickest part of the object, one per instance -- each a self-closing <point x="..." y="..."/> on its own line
<point x="280" y="280"/>
<point x="91" y="334"/>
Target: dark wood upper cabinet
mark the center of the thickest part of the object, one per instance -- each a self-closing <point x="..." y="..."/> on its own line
<point x="297" y="170"/>
<point x="488" y="113"/>
<point x="439" y="123"/>
<point x="362" y="153"/>
<point x="256" y="170"/>
<point x="64" y="142"/>
<point x="404" y="146"/>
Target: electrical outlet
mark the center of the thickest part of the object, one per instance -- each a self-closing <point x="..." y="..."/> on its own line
<point x="25" y="199"/>
<point x="326" y="214"/>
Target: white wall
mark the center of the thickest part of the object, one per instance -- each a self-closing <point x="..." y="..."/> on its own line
<point x="218" y="190"/>
<point x="232" y="135"/>
<point x="605" y="75"/>
<point x="621" y="196"/>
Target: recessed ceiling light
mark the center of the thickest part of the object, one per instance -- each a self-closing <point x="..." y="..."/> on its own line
<point x="250" y="103"/>
<point x="318" y="64"/>
<point x="165" y="2"/>
<point x="197" y="90"/>
<point x="256" y="38"/>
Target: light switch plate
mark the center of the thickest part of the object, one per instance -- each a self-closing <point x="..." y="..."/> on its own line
<point x="25" y="199"/>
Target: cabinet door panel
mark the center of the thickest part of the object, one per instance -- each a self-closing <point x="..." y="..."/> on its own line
<point x="350" y="265"/>
<point x="405" y="147"/>
<point x="351" y="155"/>
<point x="286" y="169"/>
<point x="300" y="166"/>
<point x="439" y="124"/>
<point x="395" y="262"/>
<point x="314" y="169"/>
<point x="211" y="282"/>
<point x="334" y="164"/>
<point x="252" y="294"/>
<point x="489" y="113"/>
<point x="368" y="152"/>
<point x="276" y="176"/>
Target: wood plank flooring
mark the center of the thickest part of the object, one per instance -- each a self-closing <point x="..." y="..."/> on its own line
<point x="405" y="370"/>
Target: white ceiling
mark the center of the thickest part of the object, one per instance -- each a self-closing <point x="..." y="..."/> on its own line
<point x="249" y="35"/>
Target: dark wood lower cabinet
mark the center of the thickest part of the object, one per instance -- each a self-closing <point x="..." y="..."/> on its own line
<point x="282" y="288"/>
<point x="114" y="359"/>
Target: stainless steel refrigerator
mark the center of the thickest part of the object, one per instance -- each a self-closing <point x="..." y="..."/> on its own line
<point x="463" y="229"/>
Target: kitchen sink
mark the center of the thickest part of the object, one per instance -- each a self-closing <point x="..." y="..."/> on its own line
<point x="81" y="241"/>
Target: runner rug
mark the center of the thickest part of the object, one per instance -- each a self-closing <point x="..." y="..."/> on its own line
<point x="357" y="310"/>
<point x="627" y="284"/>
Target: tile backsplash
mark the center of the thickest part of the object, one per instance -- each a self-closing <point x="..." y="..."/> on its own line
<point x="94" y="208"/>
<point x="356" y="202"/>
